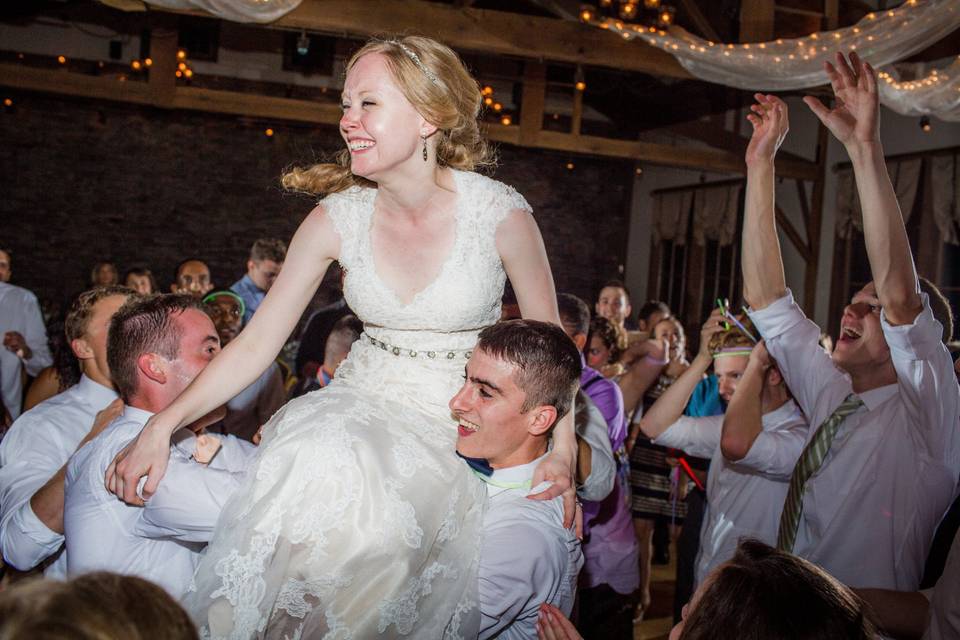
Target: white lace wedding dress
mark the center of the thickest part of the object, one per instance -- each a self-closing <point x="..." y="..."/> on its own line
<point x="357" y="519"/>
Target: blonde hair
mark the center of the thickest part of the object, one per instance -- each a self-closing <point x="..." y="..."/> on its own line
<point x="733" y="337"/>
<point x="448" y="97"/>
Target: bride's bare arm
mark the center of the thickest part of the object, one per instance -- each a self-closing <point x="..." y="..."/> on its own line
<point x="314" y="246"/>
<point x="525" y="261"/>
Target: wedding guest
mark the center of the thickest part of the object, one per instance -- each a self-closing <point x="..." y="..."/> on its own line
<point x="743" y="492"/>
<point x="141" y="280"/>
<point x="192" y="277"/>
<point x="96" y="606"/>
<point x="883" y="454"/>
<point x="157" y="346"/>
<point x="24" y="339"/>
<point x="263" y="267"/>
<point x="34" y="453"/>
<point x="520" y="380"/>
<point x="104" y="274"/>
<point x="611" y="571"/>
<point x="251" y="408"/>
<point x="759" y="593"/>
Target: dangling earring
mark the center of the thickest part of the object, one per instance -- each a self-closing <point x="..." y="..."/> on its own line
<point x="424" y="148"/>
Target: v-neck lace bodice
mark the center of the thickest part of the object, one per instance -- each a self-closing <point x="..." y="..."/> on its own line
<point x="464" y="296"/>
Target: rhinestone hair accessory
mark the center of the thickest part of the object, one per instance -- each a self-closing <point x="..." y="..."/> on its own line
<point x="431" y="76"/>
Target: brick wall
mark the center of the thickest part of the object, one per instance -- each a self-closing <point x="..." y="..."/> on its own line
<point x="85" y="180"/>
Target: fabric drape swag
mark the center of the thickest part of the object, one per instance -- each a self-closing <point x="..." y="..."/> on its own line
<point x="715" y="214"/>
<point x="671" y="216"/>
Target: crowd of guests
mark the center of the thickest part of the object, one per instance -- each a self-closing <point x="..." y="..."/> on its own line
<point x="801" y="488"/>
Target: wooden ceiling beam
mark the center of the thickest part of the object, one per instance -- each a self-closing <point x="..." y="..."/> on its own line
<point x="63" y="82"/>
<point x="756" y="20"/>
<point x="481" y="30"/>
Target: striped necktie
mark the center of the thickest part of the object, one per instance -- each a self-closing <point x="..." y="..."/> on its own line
<point x="810" y="461"/>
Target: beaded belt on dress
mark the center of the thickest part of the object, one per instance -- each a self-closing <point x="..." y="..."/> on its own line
<point x="414" y="353"/>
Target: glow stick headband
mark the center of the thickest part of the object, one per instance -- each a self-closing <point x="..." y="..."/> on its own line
<point x="731" y="351"/>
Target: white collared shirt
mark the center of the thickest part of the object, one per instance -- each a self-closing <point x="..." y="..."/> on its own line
<point x="943" y="622"/>
<point x="870" y="512"/>
<point x="527" y="557"/>
<point x="744" y="498"/>
<point x="37" y="445"/>
<point x="20" y="312"/>
<point x="162" y="541"/>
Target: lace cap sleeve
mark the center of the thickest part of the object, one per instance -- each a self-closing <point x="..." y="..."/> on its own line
<point x="348" y="211"/>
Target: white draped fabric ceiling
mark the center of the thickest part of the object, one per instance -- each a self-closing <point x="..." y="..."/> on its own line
<point x="882" y="38"/>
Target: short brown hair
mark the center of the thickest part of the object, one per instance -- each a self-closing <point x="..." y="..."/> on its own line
<point x="93" y="606"/>
<point x="766" y="594"/>
<point x="78" y="317"/>
<point x="144" y="325"/>
<point x="268" y="249"/>
<point x="548" y="361"/>
<point x="940" y="307"/>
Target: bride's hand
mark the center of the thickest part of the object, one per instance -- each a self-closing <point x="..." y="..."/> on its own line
<point x="558" y="468"/>
<point x="145" y="456"/>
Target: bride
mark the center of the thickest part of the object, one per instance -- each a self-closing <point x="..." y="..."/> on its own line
<point x="357" y="519"/>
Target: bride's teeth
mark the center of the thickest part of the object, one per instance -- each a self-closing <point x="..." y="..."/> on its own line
<point x="364" y="144"/>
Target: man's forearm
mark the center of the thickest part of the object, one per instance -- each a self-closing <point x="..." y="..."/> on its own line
<point x="762" y="264"/>
<point x="742" y="422"/>
<point x="888" y="248"/>
<point x="669" y="407"/>
<point x="47" y="502"/>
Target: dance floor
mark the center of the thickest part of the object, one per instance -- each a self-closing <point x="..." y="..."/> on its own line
<point x="658" y="621"/>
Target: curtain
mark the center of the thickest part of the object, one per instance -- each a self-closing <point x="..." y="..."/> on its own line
<point x="671" y="216"/>
<point x="905" y="176"/>
<point x="715" y="214"/>
<point x="945" y="177"/>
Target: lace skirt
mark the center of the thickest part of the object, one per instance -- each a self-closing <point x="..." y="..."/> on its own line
<point x="356" y="520"/>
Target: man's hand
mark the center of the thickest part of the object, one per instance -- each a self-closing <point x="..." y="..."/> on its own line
<point x="770" y="125"/>
<point x="713" y="325"/>
<point x="558" y="470"/>
<point x="760" y="357"/>
<point x="146" y="456"/>
<point x="855" y="118"/>
<point x="15" y="342"/>
<point x="553" y="625"/>
<point x="104" y="417"/>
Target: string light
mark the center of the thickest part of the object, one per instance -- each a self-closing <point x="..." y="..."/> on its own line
<point x="188" y="73"/>
<point x="135" y="65"/>
<point x="586" y="15"/>
<point x="488" y="101"/>
<point x="925" y="124"/>
<point x="181" y="55"/>
<point x="506" y="120"/>
<point x="62" y="59"/>
<point x="7" y="102"/>
<point x="497" y="106"/>
<point x="487" y="90"/>
<point x="268" y="132"/>
<point x="570" y="166"/>
<point x="148" y="62"/>
<point x="182" y="66"/>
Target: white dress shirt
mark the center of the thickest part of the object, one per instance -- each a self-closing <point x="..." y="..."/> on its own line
<point x="38" y="444"/>
<point x="944" y="616"/>
<point x="527" y="557"/>
<point x="744" y="498"/>
<point x="591" y="426"/>
<point x="162" y="541"/>
<point x="20" y="312"/>
<point x="870" y="512"/>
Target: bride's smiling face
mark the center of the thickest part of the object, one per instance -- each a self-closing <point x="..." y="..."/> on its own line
<point x="380" y="126"/>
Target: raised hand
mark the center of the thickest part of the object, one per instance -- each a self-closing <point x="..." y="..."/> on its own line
<point x="760" y="356"/>
<point x="713" y="325"/>
<point x="770" y="125"/>
<point x="855" y="117"/>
